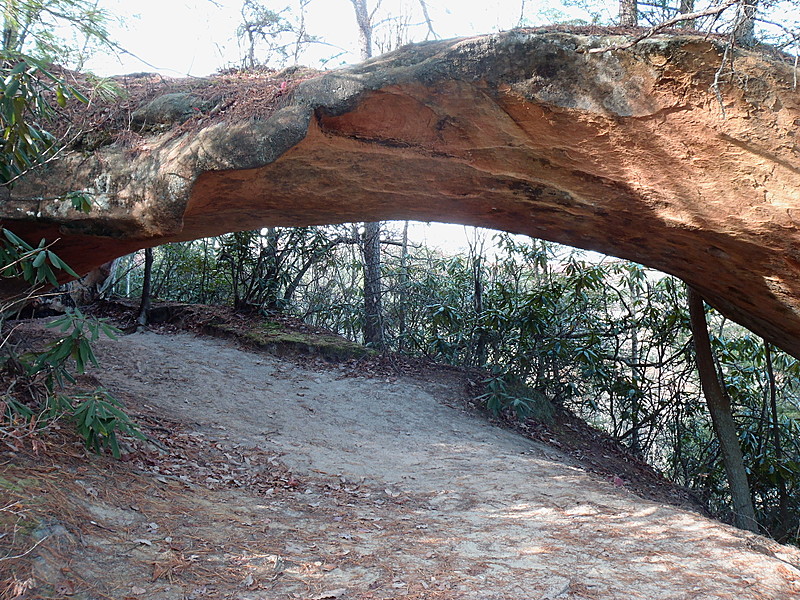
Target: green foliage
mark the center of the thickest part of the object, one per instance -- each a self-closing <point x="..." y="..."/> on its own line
<point x="18" y="259"/>
<point x="603" y="338"/>
<point x="505" y="393"/>
<point x="74" y="346"/>
<point x="63" y="31"/>
<point x="34" y="378"/>
<point x="29" y="96"/>
<point x="99" y="417"/>
<point x="26" y="93"/>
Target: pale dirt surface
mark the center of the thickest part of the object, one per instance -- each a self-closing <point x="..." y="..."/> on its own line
<point x="399" y="493"/>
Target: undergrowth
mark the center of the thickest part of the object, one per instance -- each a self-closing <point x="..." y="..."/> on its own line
<point x="33" y="394"/>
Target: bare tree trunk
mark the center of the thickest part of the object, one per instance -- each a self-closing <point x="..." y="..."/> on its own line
<point x="272" y="268"/>
<point x="364" y="21"/>
<point x="721" y="415"/>
<point x="780" y="532"/>
<point x="403" y="293"/>
<point x="144" y="307"/>
<point x="480" y="333"/>
<point x="373" y="312"/>
<point x="686" y="7"/>
<point x="431" y="33"/>
<point x="371" y="243"/>
<point x="521" y="19"/>
<point x="744" y="32"/>
<point x="628" y="13"/>
<point x="636" y="376"/>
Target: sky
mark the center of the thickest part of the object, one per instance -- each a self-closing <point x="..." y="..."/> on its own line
<point x="198" y="37"/>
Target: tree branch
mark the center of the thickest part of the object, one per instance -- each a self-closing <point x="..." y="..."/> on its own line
<point x="714" y="10"/>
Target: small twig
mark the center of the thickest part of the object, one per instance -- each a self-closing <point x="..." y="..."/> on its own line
<point x="31" y="549"/>
<point x="715" y="86"/>
<point x="714" y="10"/>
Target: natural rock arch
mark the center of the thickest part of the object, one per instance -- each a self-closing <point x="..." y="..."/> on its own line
<point x="628" y="152"/>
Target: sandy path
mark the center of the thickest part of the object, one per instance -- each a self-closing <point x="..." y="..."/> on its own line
<point x="448" y="503"/>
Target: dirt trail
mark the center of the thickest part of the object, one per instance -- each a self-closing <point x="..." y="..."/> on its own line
<point x="401" y="494"/>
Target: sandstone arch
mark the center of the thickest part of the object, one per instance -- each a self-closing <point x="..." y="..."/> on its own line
<point x="624" y="152"/>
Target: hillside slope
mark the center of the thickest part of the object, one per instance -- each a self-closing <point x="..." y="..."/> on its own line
<point x="273" y="478"/>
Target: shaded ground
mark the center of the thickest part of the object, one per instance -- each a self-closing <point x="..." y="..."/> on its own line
<point x="282" y="478"/>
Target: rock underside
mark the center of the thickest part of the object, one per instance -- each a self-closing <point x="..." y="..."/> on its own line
<point x="633" y="153"/>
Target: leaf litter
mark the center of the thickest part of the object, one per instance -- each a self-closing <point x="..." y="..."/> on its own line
<point x="389" y="487"/>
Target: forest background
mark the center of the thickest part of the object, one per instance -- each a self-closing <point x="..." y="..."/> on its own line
<point x="554" y="328"/>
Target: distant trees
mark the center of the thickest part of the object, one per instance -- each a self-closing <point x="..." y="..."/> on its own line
<point x="739" y="19"/>
<point x="744" y="22"/>
<point x="273" y="37"/>
<point x="606" y="339"/>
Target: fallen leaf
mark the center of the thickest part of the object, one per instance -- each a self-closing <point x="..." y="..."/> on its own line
<point x="67" y="588"/>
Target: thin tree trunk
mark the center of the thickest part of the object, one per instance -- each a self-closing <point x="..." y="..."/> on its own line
<point x="628" y="13"/>
<point x="128" y="276"/>
<point x="144" y="307"/>
<point x="371" y="244"/>
<point x="271" y="268"/>
<point x="477" y="280"/>
<point x="687" y="7"/>
<point x="721" y="415"/>
<point x="403" y="292"/>
<point x="521" y="19"/>
<point x="636" y="376"/>
<point x="364" y="28"/>
<point x="781" y="530"/>
<point x="373" y="312"/>
<point x="744" y="32"/>
<point x="431" y="33"/>
<point x="204" y="272"/>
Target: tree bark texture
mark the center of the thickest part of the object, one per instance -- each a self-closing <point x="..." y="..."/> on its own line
<point x="687" y="7"/>
<point x="144" y="307"/>
<point x="373" y="312"/>
<point x="371" y="243"/>
<point x="364" y="28"/>
<point x="744" y="32"/>
<point x="719" y="407"/>
<point x="628" y="13"/>
<point x="780" y="532"/>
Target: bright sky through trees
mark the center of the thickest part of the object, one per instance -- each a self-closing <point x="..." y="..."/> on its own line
<point x="198" y="37"/>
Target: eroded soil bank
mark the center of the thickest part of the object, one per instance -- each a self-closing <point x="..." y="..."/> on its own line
<point x="272" y="478"/>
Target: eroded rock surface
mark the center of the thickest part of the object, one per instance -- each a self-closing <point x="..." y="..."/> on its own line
<point x="631" y="153"/>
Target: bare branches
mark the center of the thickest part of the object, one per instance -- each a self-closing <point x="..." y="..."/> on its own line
<point x="424" y="6"/>
<point x="715" y="10"/>
<point x="365" y="27"/>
